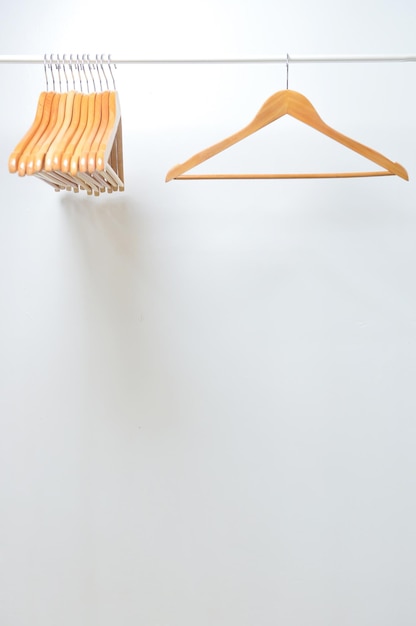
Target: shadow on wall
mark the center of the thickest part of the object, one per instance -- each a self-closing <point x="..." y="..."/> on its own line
<point x="106" y="223"/>
<point x="116" y="300"/>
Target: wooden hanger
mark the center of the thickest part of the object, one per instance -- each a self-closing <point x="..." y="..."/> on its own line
<point x="19" y="149"/>
<point x="37" y="161"/>
<point x="87" y="163"/>
<point x="23" y="150"/>
<point x="65" y="150"/>
<point x="90" y="137"/>
<point x="58" y="150"/>
<point x="52" y="156"/>
<point x="89" y="122"/>
<point x="92" y="154"/>
<point x="109" y="157"/>
<point x="287" y="102"/>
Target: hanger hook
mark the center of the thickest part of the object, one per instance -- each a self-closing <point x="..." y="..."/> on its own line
<point x="97" y="67"/>
<point x="58" y="67"/>
<point x="103" y="71"/>
<point x="64" y="69"/>
<point x="46" y="72"/>
<point x="72" y="70"/>
<point x="89" y="67"/>
<point x="109" y="67"/>
<point x="85" y="73"/>
<point x="50" y="65"/>
<point x="78" y="66"/>
<point x="287" y="70"/>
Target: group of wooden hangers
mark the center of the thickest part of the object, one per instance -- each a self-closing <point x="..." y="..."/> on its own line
<point x="287" y="102"/>
<point x="75" y="140"/>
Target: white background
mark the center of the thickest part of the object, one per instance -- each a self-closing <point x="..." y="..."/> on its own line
<point x="207" y="389"/>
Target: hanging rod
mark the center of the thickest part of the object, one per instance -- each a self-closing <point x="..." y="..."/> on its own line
<point x="405" y="58"/>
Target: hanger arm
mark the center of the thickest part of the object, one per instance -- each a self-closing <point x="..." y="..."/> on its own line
<point x="300" y="108"/>
<point x="269" y="112"/>
<point x="19" y="149"/>
<point x="204" y="155"/>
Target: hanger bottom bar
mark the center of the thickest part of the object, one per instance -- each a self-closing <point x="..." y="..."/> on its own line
<point x="274" y="176"/>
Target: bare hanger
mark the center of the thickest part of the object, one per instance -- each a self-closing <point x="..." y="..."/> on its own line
<point x="287" y="102"/>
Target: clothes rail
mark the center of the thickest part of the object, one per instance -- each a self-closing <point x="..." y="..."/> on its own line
<point x="404" y="58"/>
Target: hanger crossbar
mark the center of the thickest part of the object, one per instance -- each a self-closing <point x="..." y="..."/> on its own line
<point x="281" y="176"/>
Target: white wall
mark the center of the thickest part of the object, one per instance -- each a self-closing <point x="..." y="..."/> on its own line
<point x="207" y="388"/>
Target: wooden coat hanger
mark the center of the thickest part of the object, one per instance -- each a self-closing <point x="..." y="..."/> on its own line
<point x="19" y="149"/>
<point x="58" y="150"/>
<point x="37" y="161"/>
<point x="52" y="155"/>
<point x="293" y="103"/>
<point x="22" y="153"/>
<point x="109" y="157"/>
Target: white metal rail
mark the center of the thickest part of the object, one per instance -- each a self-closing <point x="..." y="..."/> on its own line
<point x="68" y="59"/>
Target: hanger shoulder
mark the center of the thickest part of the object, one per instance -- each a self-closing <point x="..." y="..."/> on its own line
<point x="63" y="123"/>
<point x="69" y="131"/>
<point x="92" y="132"/>
<point x="301" y="109"/>
<point x="92" y="155"/>
<point x="19" y="149"/>
<point x="35" y="163"/>
<point x="272" y="109"/>
<point x="370" y="154"/>
<point x="107" y="140"/>
<point x="46" y="113"/>
<point x="81" y="114"/>
<point x="204" y="155"/>
<point x="87" y="114"/>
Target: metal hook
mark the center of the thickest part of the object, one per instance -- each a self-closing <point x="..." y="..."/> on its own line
<point x="89" y="67"/>
<point x="287" y="71"/>
<point x="85" y="73"/>
<point x="51" y="69"/>
<point x="72" y="70"/>
<point x="64" y="69"/>
<point x="109" y="67"/>
<point x="78" y="66"/>
<point x="103" y="71"/>
<point x="46" y="72"/>
<point x="58" y="67"/>
<point x="97" y="66"/>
